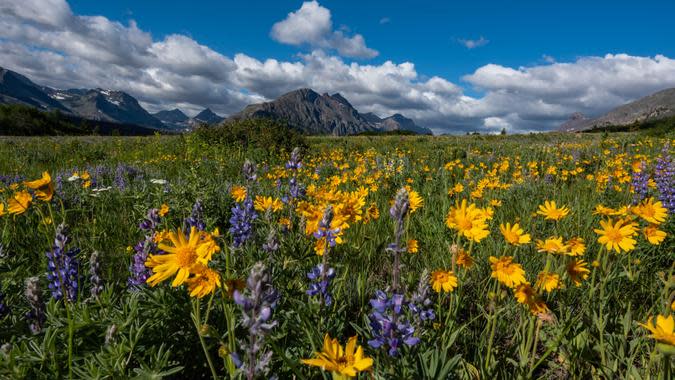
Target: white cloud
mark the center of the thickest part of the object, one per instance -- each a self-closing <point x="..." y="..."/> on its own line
<point x="312" y="25"/>
<point x="55" y="47"/>
<point x="472" y="44"/>
<point x="385" y="20"/>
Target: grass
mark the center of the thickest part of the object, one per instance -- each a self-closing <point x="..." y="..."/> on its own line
<point x="479" y="330"/>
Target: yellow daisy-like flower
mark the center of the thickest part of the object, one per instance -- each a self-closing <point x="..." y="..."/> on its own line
<point x="662" y="330"/>
<point x="602" y="210"/>
<point x="527" y="296"/>
<point x="616" y="236"/>
<point x="44" y="188"/>
<point x="19" y="202"/>
<point x="576" y="246"/>
<point x="468" y="220"/>
<point x="514" y="234"/>
<point x="372" y="213"/>
<point x="552" y="245"/>
<point x="163" y="209"/>
<point x="2" y="209"/>
<point x="443" y="280"/>
<point x="654" y="235"/>
<point x="464" y="259"/>
<point x="343" y="363"/>
<point x="506" y="271"/>
<point x="652" y="212"/>
<point x="180" y="258"/>
<point x="578" y="271"/>
<point x="412" y="246"/>
<point x="415" y="199"/>
<point x="238" y="193"/>
<point x="205" y="281"/>
<point x="548" y="281"/>
<point x="263" y="204"/>
<point x="551" y="211"/>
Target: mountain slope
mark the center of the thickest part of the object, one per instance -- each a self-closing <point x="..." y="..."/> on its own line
<point x="316" y="114"/>
<point x="173" y="116"/>
<point x="207" y="116"/>
<point x="657" y="106"/>
<point x="17" y="89"/>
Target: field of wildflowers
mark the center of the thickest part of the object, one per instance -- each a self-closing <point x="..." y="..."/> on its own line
<point x="547" y="256"/>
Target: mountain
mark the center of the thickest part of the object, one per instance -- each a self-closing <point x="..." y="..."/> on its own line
<point x="574" y="123"/>
<point x="174" y="116"/>
<point x="316" y="114"/>
<point x="207" y="117"/>
<point x="659" y="105"/>
<point x="17" y="89"/>
<point x="106" y="105"/>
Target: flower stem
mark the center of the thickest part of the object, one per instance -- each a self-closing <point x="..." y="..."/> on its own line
<point x="196" y="319"/>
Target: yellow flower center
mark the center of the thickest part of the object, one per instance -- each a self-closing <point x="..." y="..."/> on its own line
<point x="186" y="256"/>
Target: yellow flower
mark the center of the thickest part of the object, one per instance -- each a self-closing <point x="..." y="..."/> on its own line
<point x="526" y="295"/>
<point x="654" y="235"/>
<point x="652" y="212"/>
<point x="548" y="281"/>
<point x="264" y="204"/>
<point x="372" y="213"/>
<point x="602" y="210"/>
<point x="412" y="246"/>
<point x="464" y="259"/>
<point x="468" y="220"/>
<point x="180" y="257"/>
<point x="415" y="199"/>
<point x="552" y="245"/>
<point x="18" y="204"/>
<point x="238" y="193"/>
<point x="576" y="246"/>
<point x="2" y="209"/>
<point x="551" y="212"/>
<point x="506" y="271"/>
<point x="662" y="331"/>
<point x="514" y="235"/>
<point x="616" y="236"/>
<point x="164" y="209"/>
<point x="343" y="363"/>
<point x="44" y="188"/>
<point x="205" y="281"/>
<point x="443" y="280"/>
<point x="578" y="271"/>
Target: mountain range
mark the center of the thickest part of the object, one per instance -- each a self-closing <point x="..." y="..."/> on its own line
<point x="654" y="107"/>
<point x="314" y="113"/>
<point x="94" y="104"/>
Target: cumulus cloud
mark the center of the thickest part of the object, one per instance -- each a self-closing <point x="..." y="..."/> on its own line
<point x="385" y="20"/>
<point x="472" y="44"/>
<point x="55" y="47"/>
<point x="312" y="25"/>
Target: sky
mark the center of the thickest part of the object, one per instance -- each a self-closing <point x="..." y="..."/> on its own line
<point x="450" y="66"/>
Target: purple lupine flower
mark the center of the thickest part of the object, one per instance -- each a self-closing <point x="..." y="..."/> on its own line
<point x="95" y="275"/>
<point x="664" y="176"/>
<point x="272" y="244"/>
<point x="62" y="267"/>
<point x="388" y="323"/>
<point x="138" y="272"/>
<point x="195" y="219"/>
<point x="257" y="304"/>
<point x="120" y="177"/>
<point x="249" y="171"/>
<point x="294" y="161"/>
<point x="420" y="304"/>
<point x="639" y="183"/>
<point x="320" y="283"/>
<point x="325" y="230"/>
<point x="241" y="222"/>
<point x="151" y="221"/>
<point x="398" y="211"/>
<point x="4" y="309"/>
<point x="36" y="315"/>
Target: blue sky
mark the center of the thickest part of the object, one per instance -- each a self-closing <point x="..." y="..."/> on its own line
<point x="452" y="66"/>
<point x="520" y="33"/>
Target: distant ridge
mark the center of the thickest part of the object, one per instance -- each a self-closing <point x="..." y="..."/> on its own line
<point x="315" y="114"/>
<point x="657" y="106"/>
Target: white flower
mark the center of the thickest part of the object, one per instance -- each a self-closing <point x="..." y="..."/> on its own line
<point x="73" y="178"/>
<point x="159" y="181"/>
<point x="101" y="189"/>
